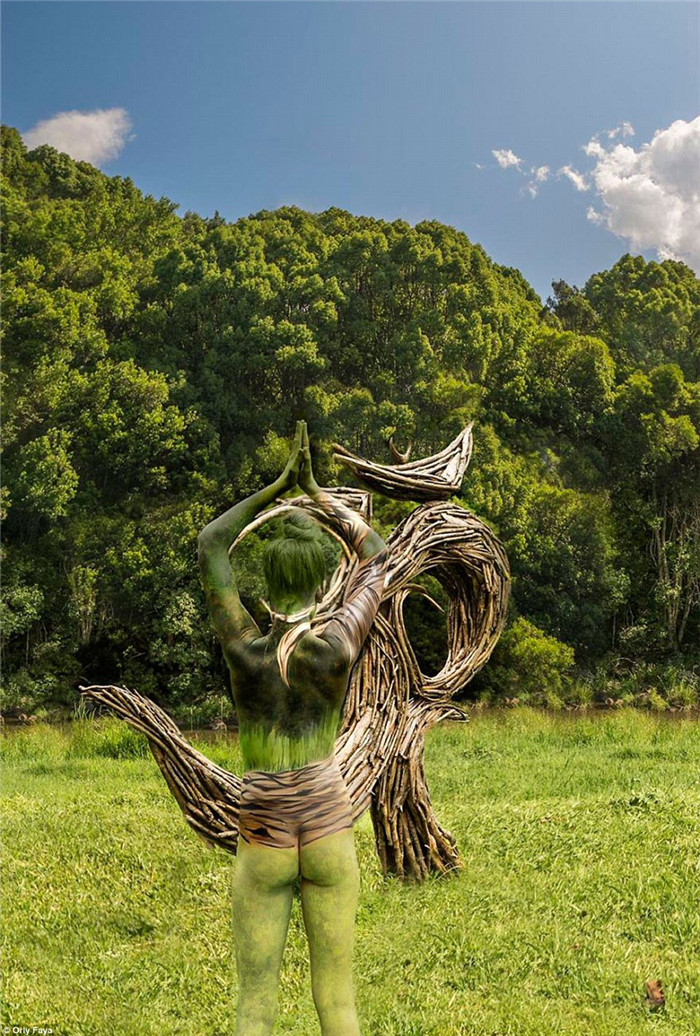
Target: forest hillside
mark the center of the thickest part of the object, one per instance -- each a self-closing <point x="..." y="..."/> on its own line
<point x="155" y="364"/>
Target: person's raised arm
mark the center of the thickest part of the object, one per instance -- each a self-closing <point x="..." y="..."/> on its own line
<point x="231" y="621"/>
<point x="351" y="623"/>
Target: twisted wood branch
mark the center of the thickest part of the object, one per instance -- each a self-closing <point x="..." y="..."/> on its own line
<point x="390" y="703"/>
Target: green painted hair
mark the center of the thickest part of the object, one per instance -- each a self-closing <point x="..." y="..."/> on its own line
<point x="293" y="562"/>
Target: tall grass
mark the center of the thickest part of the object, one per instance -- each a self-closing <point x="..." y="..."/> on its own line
<point x="581" y="843"/>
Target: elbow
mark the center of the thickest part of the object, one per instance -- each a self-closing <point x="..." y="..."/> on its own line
<point x="205" y="543"/>
<point x="210" y="536"/>
<point x="209" y="543"/>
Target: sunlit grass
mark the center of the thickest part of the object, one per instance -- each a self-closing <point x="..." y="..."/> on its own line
<point x="581" y="842"/>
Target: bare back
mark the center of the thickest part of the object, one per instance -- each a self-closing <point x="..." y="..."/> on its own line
<point x="289" y="698"/>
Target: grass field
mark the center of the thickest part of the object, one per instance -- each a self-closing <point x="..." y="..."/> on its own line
<point x="581" y="842"/>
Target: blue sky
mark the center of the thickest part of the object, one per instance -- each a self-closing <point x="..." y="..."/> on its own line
<point x="390" y="109"/>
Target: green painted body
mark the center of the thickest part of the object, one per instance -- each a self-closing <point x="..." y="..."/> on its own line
<point x="273" y="750"/>
<point x="285" y="726"/>
<point x="263" y="889"/>
<point x="289" y="717"/>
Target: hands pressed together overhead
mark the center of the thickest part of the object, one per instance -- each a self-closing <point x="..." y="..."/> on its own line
<point x="299" y="469"/>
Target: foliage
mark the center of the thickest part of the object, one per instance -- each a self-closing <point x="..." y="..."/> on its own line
<point x="109" y="738"/>
<point x="156" y="363"/>
<point x="529" y="667"/>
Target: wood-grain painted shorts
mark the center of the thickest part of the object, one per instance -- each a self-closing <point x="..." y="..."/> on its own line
<point x="295" y="807"/>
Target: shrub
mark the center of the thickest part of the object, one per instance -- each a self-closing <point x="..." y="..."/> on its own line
<point x="531" y="666"/>
<point x="204" y="713"/>
<point x="108" y="737"/>
<point x="684" y="693"/>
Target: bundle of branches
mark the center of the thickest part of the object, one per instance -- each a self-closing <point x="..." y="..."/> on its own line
<point x="390" y="703"/>
<point x="435" y="478"/>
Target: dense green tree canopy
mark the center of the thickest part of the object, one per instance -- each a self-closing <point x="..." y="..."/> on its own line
<point x="154" y="365"/>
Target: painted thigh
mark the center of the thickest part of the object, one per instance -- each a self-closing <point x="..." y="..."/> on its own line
<point x="329" y="891"/>
<point x="262" y="901"/>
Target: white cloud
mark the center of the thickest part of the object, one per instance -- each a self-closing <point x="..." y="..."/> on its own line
<point x="95" y="136"/>
<point x="506" y="158"/>
<point x="651" y="197"/>
<point x="625" y="129"/>
<point x="539" y="174"/>
<point x="578" y="179"/>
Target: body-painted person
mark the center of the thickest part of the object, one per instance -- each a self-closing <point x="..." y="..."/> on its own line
<point x="289" y="688"/>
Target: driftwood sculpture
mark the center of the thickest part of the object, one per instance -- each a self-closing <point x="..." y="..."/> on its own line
<point x="390" y="703"/>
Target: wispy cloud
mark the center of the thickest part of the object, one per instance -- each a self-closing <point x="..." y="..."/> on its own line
<point x="95" y="136"/>
<point x="578" y="179"/>
<point x="625" y="129"/>
<point x="648" y="196"/>
<point x="536" y="175"/>
<point x="506" y="158"/>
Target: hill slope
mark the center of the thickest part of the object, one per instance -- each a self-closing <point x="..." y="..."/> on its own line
<point x="154" y="364"/>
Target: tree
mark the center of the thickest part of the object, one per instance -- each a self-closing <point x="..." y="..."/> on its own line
<point x="652" y="439"/>
<point x="573" y="309"/>
<point x="648" y="314"/>
<point x="153" y="363"/>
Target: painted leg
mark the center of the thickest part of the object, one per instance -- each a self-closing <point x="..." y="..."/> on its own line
<point x="262" y="902"/>
<point x="329" y="888"/>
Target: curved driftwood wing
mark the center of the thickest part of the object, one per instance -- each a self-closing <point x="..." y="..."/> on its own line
<point x="207" y="794"/>
<point x="434" y="478"/>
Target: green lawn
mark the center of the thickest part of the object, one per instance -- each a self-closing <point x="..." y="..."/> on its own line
<point x="581" y="842"/>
